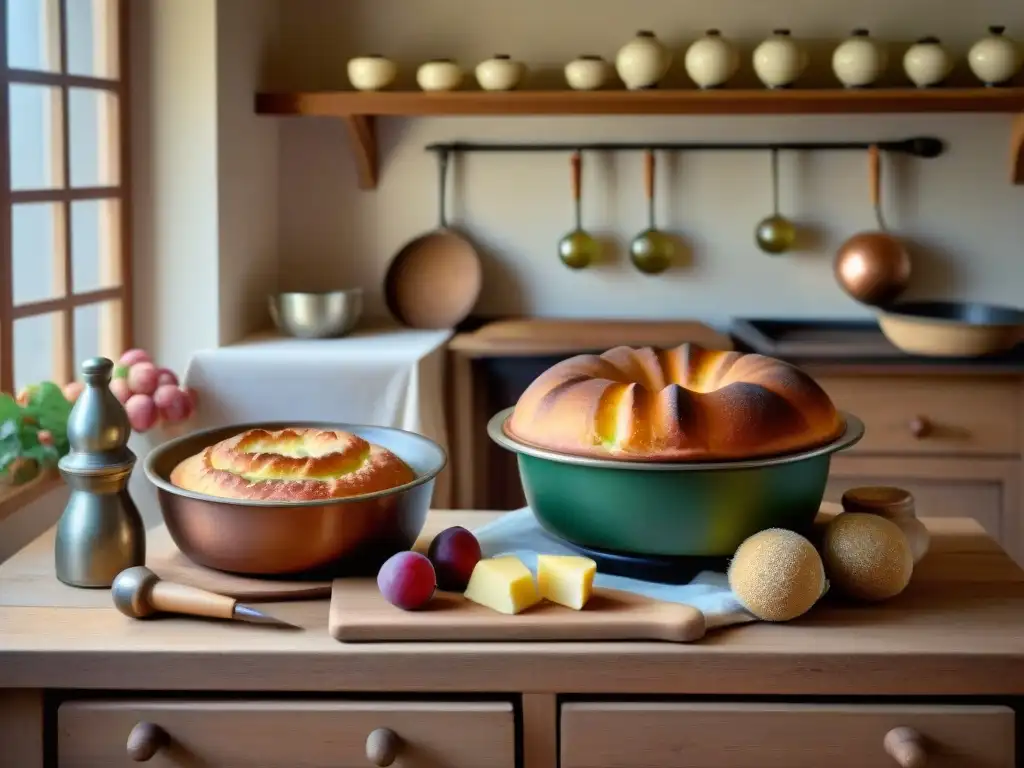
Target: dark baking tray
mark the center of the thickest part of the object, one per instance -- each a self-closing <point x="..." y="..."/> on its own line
<point x="818" y="339"/>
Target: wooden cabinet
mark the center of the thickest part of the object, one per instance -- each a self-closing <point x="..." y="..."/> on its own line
<point x="955" y="442"/>
<point x="639" y="735"/>
<point x="986" y="489"/>
<point x="933" y="415"/>
<point x="298" y="734"/>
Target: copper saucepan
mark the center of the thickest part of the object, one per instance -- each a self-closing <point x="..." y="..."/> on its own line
<point x="873" y="267"/>
<point x="952" y="328"/>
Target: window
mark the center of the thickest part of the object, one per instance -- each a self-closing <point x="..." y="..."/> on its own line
<point x="65" y="290"/>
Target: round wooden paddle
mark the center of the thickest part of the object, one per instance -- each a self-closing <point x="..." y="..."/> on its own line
<point x="435" y="280"/>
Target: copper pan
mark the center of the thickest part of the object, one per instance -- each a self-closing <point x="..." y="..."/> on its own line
<point x="435" y="280"/>
<point x="873" y="267"/>
<point x="952" y="328"/>
<point x="314" y="539"/>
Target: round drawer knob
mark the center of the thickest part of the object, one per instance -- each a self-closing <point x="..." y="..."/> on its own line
<point x="382" y="747"/>
<point x="920" y="427"/>
<point x="906" y="747"/>
<point x="145" y="740"/>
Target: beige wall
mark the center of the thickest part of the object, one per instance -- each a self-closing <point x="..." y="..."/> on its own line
<point x="247" y="170"/>
<point x="204" y="173"/>
<point x="204" y="179"/>
<point x="964" y="218"/>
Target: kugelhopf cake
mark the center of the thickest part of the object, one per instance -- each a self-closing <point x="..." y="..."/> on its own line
<point x="299" y="464"/>
<point x="682" y="404"/>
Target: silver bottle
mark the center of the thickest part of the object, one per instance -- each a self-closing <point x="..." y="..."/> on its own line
<point x="101" y="532"/>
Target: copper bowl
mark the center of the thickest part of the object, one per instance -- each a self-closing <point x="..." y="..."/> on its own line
<point x="316" y="539"/>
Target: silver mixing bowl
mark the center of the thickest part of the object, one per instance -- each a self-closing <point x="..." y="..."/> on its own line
<point x="271" y="538"/>
<point x="326" y="315"/>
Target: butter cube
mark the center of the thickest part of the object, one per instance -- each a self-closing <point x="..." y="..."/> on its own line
<point x="566" y="579"/>
<point x="502" y="584"/>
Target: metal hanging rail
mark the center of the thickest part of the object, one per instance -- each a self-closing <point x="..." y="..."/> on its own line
<point x="920" y="146"/>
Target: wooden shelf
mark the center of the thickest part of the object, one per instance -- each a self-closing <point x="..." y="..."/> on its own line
<point x="358" y="109"/>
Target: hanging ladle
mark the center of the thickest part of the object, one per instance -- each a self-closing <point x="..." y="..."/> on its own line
<point x="578" y="248"/>
<point x="775" y="234"/>
<point x="651" y="251"/>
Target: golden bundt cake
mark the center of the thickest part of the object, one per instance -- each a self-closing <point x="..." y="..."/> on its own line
<point x="682" y="404"/>
<point x="298" y="464"/>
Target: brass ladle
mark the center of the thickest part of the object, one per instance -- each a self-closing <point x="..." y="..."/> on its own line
<point x="651" y="251"/>
<point x="578" y="248"/>
<point x="775" y="234"/>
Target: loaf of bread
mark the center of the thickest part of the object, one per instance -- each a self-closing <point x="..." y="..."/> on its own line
<point x="298" y="464"/>
<point x="684" y="404"/>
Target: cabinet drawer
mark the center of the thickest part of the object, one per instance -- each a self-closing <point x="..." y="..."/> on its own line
<point x="634" y="735"/>
<point x="932" y="415"/>
<point x="298" y="734"/>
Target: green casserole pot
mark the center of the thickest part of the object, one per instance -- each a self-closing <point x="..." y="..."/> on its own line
<point x="671" y="509"/>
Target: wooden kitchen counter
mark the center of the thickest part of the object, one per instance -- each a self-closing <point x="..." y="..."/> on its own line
<point x="958" y="631"/>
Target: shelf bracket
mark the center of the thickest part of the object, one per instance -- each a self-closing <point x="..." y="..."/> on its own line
<point x="362" y="132"/>
<point x="1017" y="150"/>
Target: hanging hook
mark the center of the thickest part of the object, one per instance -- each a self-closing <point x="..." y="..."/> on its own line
<point x="442" y="177"/>
<point x="775" y="181"/>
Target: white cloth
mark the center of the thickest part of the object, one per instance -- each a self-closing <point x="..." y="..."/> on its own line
<point x="383" y="376"/>
<point x="518" y="533"/>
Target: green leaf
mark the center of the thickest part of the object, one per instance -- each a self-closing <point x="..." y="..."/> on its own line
<point x="10" y="450"/>
<point x="48" y="406"/>
<point x="9" y="408"/>
<point x="44" y="454"/>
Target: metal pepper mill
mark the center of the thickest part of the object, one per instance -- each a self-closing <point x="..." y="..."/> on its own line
<point x="101" y="532"/>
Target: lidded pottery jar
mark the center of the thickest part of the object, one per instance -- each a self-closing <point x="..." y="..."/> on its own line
<point x="995" y="58"/>
<point x="779" y="60"/>
<point x="895" y="504"/>
<point x="859" y="60"/>
<point x="643" y="61"/>
<point x="439" y="75"/>
<point x="927" y="63"/>
<point x="587" y="73"/>
<point x="711" y="60"/>
<point x="500" y="73"/>
<point x="371" y="73"/>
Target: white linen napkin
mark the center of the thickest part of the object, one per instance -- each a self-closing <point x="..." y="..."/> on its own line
<point x="518" y="533"/>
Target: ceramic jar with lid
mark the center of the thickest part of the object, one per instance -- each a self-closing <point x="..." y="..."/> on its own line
<point x="927" y="63"/>
<point x="895" y="504"/>
<point x="994" y="59"/>
<point x="779" y="61"/>
<point x="711" y="60"/>
<point x="439" y="75"/>
<point x="587" y="73"/>
<point x="500" y="73"/>
<point x="859" y="60"/>
<point x="371" y="73"/>
<point x="643" y="61"/>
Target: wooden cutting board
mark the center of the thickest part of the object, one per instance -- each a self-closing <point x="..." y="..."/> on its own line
<point x="359" y="614"/>
<point x="174" y="566"/>
<point x="541" y="336"/>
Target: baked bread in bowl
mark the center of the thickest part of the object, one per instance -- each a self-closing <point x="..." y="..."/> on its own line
<point x="687" y="404"/>
<point x="298" y="464"/>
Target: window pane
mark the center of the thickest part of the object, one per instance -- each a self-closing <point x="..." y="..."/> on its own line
<point x="92" y="37"/>
<point x="33" y="35"/>
<point x="37" y="251"/>
<point x="95" y="245"/>
<point x="36" y="154"/>
<point x="38" y="342"/>
<point x="94" y="137"/>
<point x="97" y="331"/>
